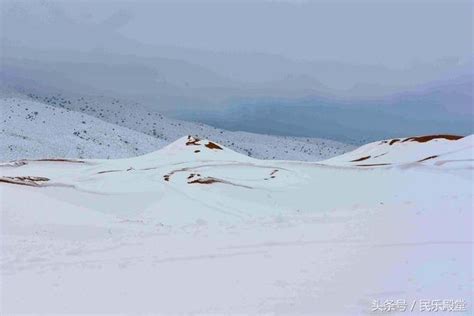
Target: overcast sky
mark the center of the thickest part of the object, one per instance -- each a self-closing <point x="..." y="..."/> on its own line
<point x="387" y="32"/>
<point x="354" y="48"/>
<point x="353" y="31"/>
<point x="391" y="33"/>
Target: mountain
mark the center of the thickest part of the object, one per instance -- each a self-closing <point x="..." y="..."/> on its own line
<point x="439" y="107"/>
<point x="165" y="232"/>
<point x="79" y="126"/>
<point x="32" y="129"/>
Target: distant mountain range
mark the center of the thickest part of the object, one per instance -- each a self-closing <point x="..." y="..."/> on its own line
<point x="51" y="126"/>
<point x="439" y="107"/>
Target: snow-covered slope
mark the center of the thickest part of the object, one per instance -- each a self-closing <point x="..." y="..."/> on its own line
<point x="429" y="149"/>
<point x="31" y="129"/>
<point x="135" y="116"/>
<point x="198" y="228"/>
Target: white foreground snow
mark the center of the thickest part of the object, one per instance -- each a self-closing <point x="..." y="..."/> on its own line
<point x="196" y="228"/>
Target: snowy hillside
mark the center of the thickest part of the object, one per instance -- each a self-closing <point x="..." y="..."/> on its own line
<point x="198" y="228"/>
<point x="134" y="116"/>
<point x="430" y="149"/>
<point x="32" y="129"/>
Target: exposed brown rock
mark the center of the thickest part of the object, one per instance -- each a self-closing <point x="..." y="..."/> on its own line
<point x="60" y="160"/>
<point x="108" y="171"/>
<point x="212" y="145"/>
<point x="25" y="180"/>
<point x="192" y="141"/>
<point x="360" y="159"/>
<point x="210" y="180"/>
<point x="380" y="155"/>
<point x="393" y="141"/>
<point x="428" y="158"/>
<point x="427" y="138"/>
<point x="207" y="180"/>
<point x="373" y="164"/>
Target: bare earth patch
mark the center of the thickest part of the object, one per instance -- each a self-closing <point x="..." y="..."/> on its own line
<point x="373" y="164"/>
<point x="361" y="159"/>
<point x="428" y="158"/>
<point x="210" y="180"/>
<point x="427" y="138"/>
<point x="25" y="180"/>
<point x="193" y="141"/>
<point x="212" y="145"/>
<point x="393" y="141"/>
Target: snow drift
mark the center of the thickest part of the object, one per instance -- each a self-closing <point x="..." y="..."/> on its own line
<point x="198" y="228"/>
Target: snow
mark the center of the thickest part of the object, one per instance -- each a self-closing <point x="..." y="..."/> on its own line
<point x="177" y="231"/>
<point x="32" y="129"/>
<point x="439" y="150"/>
<point x="124" y="117"/>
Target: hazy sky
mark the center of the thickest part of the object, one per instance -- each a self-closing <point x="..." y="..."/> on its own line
<point x="391" y="33"/>
<point x="420" y="40"/>
<point x="358" y="32"/>
<point x="388" y="32"/>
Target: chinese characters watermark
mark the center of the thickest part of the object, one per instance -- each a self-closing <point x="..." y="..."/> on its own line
<point x="422" y="305"/>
